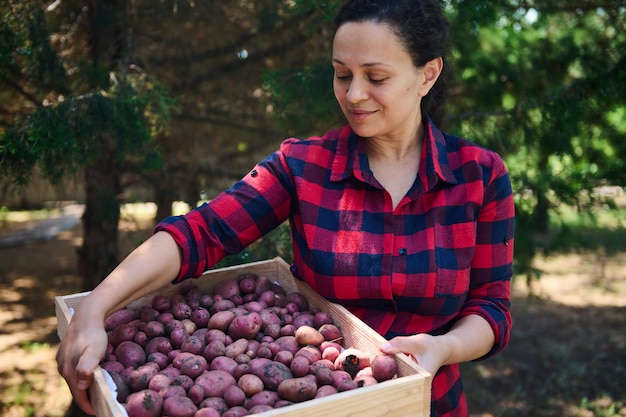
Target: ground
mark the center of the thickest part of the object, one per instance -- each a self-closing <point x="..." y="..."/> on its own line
<point x="567" y="355"/>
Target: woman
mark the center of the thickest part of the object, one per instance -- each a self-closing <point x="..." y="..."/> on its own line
<point x="408" y="227"/>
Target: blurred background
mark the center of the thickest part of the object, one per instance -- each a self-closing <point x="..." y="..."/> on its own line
<point x="115" y="114"/>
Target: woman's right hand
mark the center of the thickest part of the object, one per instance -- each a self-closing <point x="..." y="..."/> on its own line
<point x="80" y="352"/>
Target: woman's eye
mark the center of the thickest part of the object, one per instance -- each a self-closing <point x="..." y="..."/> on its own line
<point x="342" y="77"/>
<point x="378" y="80"/>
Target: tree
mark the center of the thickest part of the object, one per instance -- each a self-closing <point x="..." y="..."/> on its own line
<point x="101" y="120"/>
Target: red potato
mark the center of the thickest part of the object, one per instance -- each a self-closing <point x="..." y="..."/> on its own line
<point x="331" y="353"/>
<point x="342" y="381"/>
<point x="238" y="347"/>
<point x="196" y="393"/>
<point x="234" y="396"/>
<point x="324" y="376"/>
<point x="223" y="363"/>
<point x="303" y="319"/>
<point x="221" y="304"/>
<point x="181" y="310"/>
<point x="161" y="303"/>
<point x="384" y="367"/>
<point x="122" y="333"/>
<point x="325" y="391"/>
<point x="365" y="380"/>
<point x="297" y="389"/>
<point x="221" y="320"/>
<point x="154" y="328"/>
<point x="311" y="353"/>
<point x="299" y="300"/>
<point x="159" y="381"/>
<point x="130" y="354"/>
<point x="184" y="381"/>
<point x="139" y="379"/>
<point x="262" y="284"/>
<point x="121" y="387"/>
<point x="214" y="349"/>
<point x="158" y="344"/>
<point x="177" y="362"/>
<point x="268" y="298"/>
<point x="299" y="366"/>
<point x="122" y="316"/>
<point x="179" y="406"/>
<point x="145" y="403"/>
<point x="216" y="403"/>
<point x="215" y="334"/>
<point x="264" y="397"/>
<point x="247" y="283"/>
<point x="215" y="382"/>
<point x="273" y="373"/>
<point x="200" y="316"/>
<point x="193" y="344"/>
<point x="112" y="366"/>
<point x="321" y="318"/>
<point x="331" y="333"/>
<point x="284" y="356"/>
<point x="207" y="412"/>
<point x="236" y="411"/>
<point x="288" y="343"/>
<point x="227" y="288"/>
<point x="147" y="314"/>
<point x="170" y="371"/>
<point x="172" y="391"/>
<point x="245" y="327"/>
<point x="194" y="366"/>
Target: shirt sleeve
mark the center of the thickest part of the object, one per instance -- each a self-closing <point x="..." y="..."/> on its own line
<point x="226" y="225"/>
<point x="492" y="265"/>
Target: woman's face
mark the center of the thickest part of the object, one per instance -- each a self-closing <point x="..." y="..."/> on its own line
<point x="376" y="84"/>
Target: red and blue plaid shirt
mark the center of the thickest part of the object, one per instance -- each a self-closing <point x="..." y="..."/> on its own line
<point x="443" y="253"/>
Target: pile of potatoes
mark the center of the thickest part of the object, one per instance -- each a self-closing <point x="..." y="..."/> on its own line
<point x="247" y="348"/>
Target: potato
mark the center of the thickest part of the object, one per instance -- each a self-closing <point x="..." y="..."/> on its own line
<point x="297" y="389"/>
<point x="194" y="366"/>
<point x="172" y="391"/>
<point x="250" y="384"/>
<point x="122" y="333"/>
<point x="321" y="318"/>
<point x="234" y="396"/>
<point x="365" y="380"/>
<point x="273" y="373"/>
<point x="221" y="320"/>
<point x="179" y="406"/>
<point x="181" y="310"/>
<point x="352" y="360"/>
<point x="159" y="381"/>
<point x="239" y="346"/>
<point x="331" y="333"/>
<point x="247" y="283"/>
<point x="196" y="393"/>
<point x="307" y="335"/>
<point x="384" y="367"/>
<point x="216" y="403"/>
<point x="122" y="388"/>
<point x="284" y="356"/>
<point x="215" y="382"/>
<point x="144" y="403"/>
<point x="342" y="380"/>
<point x="223" y="363"/>
<point x="331" y="353"/>
<point x="200" y="316"/>
<point x="325" y="391"/>
<point x="140" y="378"/>
<point x="288" y="343"/>
<point x="302" y="304"/>
<point x="154" y="328"/>
<point x="161" y="303"/>
<point x="264" y="397"/>
<point x="246" y="327"/>
<point x="323" y="376"/>
<point x="237" y="411"/>
<point x="130" y="354"/>
<point x="299" y="366"/>
<point x="227" y="288"/>
<point x="207" y="412"/>
<point x="312" y="354"/>
<point x="122" y="316"/>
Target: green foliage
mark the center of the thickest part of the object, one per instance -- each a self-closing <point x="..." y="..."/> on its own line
<point x="62" y="138"/>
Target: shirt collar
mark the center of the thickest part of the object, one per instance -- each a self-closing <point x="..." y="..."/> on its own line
<point x="350" y="158"/>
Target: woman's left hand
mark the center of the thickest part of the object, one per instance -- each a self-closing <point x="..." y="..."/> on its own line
<point x="428" y="351"/>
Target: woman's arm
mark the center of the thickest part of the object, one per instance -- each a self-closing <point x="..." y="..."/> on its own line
<point x="151" y="266"/>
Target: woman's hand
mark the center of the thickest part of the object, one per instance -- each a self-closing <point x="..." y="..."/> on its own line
<point x="428" y="351"/>
<point x="469" y="338"/>
<point x="80" y="352"/>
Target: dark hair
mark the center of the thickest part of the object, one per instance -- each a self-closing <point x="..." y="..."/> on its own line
<point x="423" y="29"/>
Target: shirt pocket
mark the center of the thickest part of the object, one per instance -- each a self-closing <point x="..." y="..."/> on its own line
<point x="454" y="249"/>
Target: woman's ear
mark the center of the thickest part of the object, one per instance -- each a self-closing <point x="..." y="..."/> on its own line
<point x="430" y="71"/>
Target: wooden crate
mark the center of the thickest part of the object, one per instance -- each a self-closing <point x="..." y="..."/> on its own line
<point x="404" y="396"/>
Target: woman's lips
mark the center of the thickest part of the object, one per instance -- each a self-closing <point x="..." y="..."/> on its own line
<point x="359" y="115"/>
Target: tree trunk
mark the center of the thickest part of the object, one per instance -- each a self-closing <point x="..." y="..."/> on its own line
<point x="98" y="255"/>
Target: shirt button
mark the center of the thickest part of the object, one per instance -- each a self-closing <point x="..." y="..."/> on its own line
<point x="402" y="252"/>
<point x="254" y="173"/>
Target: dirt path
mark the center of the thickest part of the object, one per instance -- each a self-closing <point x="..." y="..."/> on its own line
<point x="567" y="355"/>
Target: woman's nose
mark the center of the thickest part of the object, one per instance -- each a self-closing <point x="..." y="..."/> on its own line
<point x="356" y="91"/>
